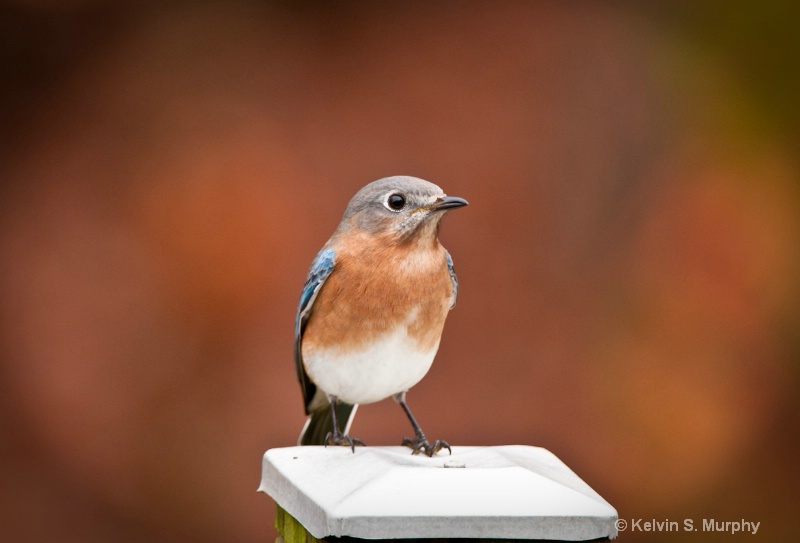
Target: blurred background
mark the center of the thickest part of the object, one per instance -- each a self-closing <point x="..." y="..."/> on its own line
<point x="629" y="262"/>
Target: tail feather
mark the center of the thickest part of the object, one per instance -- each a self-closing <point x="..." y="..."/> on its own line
<point x="320" y="423"/>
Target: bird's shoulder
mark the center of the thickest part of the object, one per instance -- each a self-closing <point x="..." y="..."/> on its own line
<point x="321" y="268"/>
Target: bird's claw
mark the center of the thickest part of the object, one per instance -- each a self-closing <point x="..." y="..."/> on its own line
<point x="421" y="443"/>
<point x="339" y="438"/>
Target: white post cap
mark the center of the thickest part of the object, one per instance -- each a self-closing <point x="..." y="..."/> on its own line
<point x="508" y="492"/>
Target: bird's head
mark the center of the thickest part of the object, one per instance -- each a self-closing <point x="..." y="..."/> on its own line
<point x="401" y="208"/>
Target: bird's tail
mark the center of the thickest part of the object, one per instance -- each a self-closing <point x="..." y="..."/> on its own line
<point x="320" y="422"/>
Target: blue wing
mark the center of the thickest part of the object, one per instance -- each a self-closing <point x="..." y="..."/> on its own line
<point x="321" y="269"/>
<point x="454" y="279"/>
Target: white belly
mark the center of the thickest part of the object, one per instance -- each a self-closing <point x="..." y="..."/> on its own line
<point x="387" y="366"/>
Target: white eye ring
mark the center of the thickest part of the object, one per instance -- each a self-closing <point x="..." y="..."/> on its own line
<point x="395" y="202"/>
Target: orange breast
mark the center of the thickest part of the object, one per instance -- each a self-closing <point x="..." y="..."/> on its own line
<point x="374" y="289"/>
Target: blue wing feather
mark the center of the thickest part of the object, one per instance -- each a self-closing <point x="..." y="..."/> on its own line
<point x="454" y="279"/>
<point x="321" y="269"/>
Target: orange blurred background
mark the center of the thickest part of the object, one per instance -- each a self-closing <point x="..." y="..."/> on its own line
<point x="628" y="264"/>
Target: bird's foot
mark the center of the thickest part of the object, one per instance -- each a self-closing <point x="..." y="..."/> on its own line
<point x="420" y="443"/>
<point x="338" y="438"/>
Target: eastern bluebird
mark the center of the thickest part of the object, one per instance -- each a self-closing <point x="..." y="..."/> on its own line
<point x="373" y="307"/>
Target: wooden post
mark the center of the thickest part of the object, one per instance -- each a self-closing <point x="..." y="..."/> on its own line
<point x="382" y="493"/>
<point x="290" y="530"/>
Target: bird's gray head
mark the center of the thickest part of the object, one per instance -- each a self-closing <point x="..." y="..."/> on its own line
<point x="401" y="207"/>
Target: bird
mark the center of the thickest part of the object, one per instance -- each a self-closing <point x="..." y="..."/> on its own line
<point x="373" y="307"/>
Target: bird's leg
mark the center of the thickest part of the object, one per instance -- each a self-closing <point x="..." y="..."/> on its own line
<point x="420" y="442"/>
<point x="337" y="437"/>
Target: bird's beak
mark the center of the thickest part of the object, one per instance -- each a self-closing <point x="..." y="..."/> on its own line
<point x="448" y="202"/>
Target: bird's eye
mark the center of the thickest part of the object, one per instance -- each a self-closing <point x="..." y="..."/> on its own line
<point x="395" y="202"/>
